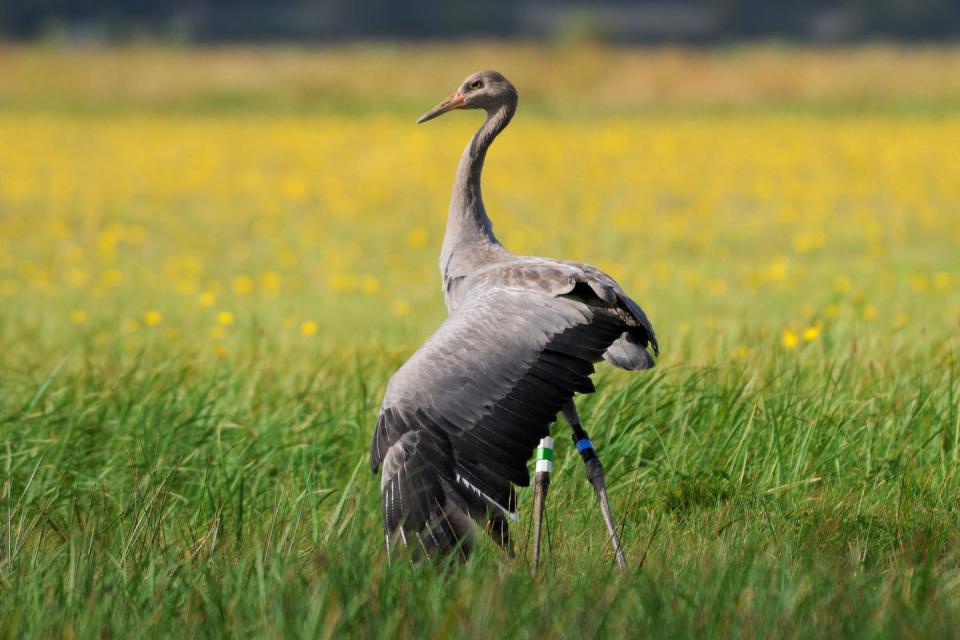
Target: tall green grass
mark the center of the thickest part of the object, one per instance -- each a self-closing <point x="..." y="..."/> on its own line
<point x="156" y="494"/>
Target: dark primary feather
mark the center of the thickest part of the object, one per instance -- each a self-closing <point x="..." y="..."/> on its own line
<point x="410" y="486"/>
<point x="417" y="500"/>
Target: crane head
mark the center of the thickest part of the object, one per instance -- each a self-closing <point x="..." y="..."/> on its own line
<point x="481" y="90"/>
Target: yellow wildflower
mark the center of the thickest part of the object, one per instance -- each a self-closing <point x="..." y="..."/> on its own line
<point x="777" y="271"/>
<point x="810" y="333"/>
<point x="112" y="277"/>
<point x="242" y="285"/>
<point x="919" y="281"/>
<point x="789" y="338"/>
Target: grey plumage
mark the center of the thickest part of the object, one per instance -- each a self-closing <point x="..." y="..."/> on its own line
<point x="462" y="417"/>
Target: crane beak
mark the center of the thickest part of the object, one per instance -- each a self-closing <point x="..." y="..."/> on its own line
<point x="454" y="101"/>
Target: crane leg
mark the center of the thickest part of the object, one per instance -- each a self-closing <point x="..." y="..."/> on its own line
<point x="595" y="476"/>
<point x="540" y="487"/>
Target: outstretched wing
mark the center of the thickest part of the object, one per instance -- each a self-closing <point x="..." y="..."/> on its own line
<point x="486" y="386"/>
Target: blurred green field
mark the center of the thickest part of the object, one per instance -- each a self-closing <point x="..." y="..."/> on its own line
<point x="211" y="261"/>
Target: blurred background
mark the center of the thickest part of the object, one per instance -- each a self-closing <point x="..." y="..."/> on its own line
<point x="690" y="21"/>
<point x="189" y="174"/>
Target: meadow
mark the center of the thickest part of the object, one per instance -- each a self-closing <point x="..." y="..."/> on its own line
<point x="211" y="261"/>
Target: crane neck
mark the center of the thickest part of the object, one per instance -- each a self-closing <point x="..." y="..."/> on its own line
<point x="469" y="241"/>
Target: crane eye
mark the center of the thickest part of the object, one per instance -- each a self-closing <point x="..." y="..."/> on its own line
<point x="476" y="84"/>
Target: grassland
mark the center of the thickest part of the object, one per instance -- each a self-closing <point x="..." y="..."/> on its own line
<point x="212" y="260"/>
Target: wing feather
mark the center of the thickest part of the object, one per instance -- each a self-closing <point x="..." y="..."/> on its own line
<point x="410" y="488"/>
<point x="488" y="384"/>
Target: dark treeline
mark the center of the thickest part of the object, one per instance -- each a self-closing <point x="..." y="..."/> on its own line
<point x="306" y="20"/>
